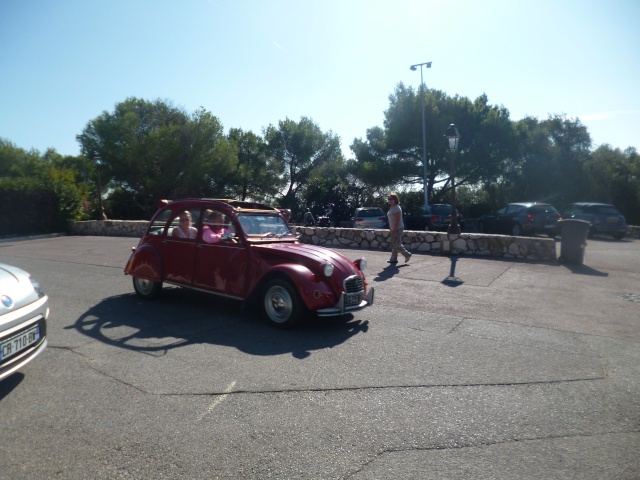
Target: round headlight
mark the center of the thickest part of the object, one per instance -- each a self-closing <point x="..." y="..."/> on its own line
<point x="328" y="269"/>
<point x="363" y="263"/>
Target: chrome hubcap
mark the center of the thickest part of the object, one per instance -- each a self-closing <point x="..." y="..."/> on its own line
<point x="278" y="304"/>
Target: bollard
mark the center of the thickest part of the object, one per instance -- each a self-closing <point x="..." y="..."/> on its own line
<point x="452" y="272"/>
<point x="452" y="279"/>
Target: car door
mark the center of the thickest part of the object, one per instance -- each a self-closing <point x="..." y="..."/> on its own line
<point x="508" y="219"/>
<point x="179" y="254"/>
<point x="490" y="223"/>
<point x="221" y="267"/>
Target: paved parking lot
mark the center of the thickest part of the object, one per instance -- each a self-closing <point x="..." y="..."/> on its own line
<point x="523" y="370"/>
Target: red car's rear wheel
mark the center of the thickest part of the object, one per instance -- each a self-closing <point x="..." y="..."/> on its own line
<point x="146" y="288"/>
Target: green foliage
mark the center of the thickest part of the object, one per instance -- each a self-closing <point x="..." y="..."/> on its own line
<point x="155" y="150"/>
<point x="31" y="172"/>
<point x="394" y="155"/>
<point x="614" y="177"/>
<point x="552" y="156"/>
<point x="299" y="148"/>
<point x="144" y="151"/>
<point x="257" y="175"/>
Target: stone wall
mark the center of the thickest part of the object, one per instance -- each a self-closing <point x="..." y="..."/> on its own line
<point x="110" y="228"/>
<point x="530" y="248"/>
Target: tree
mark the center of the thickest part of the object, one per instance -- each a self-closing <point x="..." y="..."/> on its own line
<point x="16" y="162"/>
<point x="392" y="156"/>
<point x="553" y="153"/>
<point x="299" y="148"/>
<point x="257" y="174"/>
<point x="152" y="150"/>
<point x="50" y="181"/>
<point x="614" y="177"/>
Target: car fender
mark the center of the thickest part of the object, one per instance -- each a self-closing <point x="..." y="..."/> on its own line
<point x="145" y="262"/>
<point x="314" y="293"/>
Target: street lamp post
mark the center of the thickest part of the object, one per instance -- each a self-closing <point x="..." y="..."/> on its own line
<point x="453" y="136"/>
<point x="424" y="133"/>
<point x="97" y="160"/>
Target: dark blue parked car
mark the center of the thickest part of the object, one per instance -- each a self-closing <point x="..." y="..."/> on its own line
<point x="603" y="217"/>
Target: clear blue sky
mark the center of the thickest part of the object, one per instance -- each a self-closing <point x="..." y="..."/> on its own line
<point x="255" y="62"/>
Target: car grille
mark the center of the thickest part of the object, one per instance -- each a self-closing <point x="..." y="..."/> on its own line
<point x="353" y="284"/>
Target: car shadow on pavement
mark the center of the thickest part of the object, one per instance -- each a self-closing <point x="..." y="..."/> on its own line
<point x="10" y="383"/>
<point x="181" y="317"/>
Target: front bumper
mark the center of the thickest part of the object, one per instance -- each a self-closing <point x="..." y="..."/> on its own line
<point x="22" y="320"/>
<point x="342" y="307"/>
<point x="604" y="228"/>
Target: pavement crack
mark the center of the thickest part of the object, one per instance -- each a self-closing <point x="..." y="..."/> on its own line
<point x="457" y="446"/>
<point x="382" y="387"/>
<point x="455" y="327"/>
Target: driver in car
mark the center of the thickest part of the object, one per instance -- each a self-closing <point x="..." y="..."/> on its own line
<point x="214" y="227"/>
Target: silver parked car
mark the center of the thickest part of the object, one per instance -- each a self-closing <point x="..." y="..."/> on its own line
<point x="24" y="309"/>
<point x="369" y="217"/>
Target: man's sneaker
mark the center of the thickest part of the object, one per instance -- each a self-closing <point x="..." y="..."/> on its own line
<point x="407" y="258"/>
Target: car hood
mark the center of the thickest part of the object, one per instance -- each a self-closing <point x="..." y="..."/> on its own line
<point x="309" y="255"/>
<point x="16" y="289"/>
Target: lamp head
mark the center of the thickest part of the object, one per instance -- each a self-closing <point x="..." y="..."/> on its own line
<point x="453" y="136"/>
<point x="413" y="68"/>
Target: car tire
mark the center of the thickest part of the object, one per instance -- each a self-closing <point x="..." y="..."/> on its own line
<point x="516" y="230"/>
<point x="281" y="303"/>
<point x="146" y="289"/>
<point x="618" y="235"/>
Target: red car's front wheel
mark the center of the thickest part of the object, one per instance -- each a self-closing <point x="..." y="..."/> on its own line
<point x="281" y="303"/>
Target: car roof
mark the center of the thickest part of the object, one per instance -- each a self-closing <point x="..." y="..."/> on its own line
<point x="237" y="205"/>
<point x="591" y="204"/>
<point x="367" y="208"/>
<point x="530" y="204"/>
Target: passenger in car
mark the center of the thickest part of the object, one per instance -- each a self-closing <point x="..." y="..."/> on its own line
<point x="184" y="228"/>
<point x="214" y="227"/>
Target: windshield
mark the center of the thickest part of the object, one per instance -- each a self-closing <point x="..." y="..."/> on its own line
<point x="264" y="225"/>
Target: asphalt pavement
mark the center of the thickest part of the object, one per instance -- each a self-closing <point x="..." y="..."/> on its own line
<point x="473" y="368"/>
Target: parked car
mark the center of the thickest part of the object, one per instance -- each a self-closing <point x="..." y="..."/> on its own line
<point x="519" y="219"/>
<point x="24" y="309"/>
<point x="369" y="217"/>
<point x="255" y="259"/>
<point x="436" y="217"/>
<point x="603" y="217"/>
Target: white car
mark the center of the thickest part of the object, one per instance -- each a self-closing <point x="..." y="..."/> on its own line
<point x="24" y="309"/>
<point x="369" y="217"/>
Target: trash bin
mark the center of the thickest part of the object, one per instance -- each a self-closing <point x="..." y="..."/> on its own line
<point x="574" y="238"/>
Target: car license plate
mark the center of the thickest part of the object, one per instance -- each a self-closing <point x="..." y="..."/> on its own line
<point x="612" y="220"/>
<point x="19" y="342"/>
<point x="549" y="226"/>
<point x="352" y="300"/>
